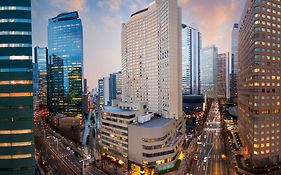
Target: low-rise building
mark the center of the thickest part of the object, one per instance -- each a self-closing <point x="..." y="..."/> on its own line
<point x="114" y="128"/>
<point x="156" y="144"/>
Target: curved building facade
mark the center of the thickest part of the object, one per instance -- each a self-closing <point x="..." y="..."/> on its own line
<point x="151" y="58"/>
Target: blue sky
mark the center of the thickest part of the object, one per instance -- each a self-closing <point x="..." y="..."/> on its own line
<point x="102" y="21"/>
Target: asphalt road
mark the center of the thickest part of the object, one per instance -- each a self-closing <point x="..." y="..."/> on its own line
<point x="60" y="159"/>
<point x="212" y="147"/>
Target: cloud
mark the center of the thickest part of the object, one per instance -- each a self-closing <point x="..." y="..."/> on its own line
<point x="100" y="4"/>
<point x="214" y="18"/>
<point x="113" y="21"/>
<point x="78" y="5"/>
<point x="133" y="7"/>
<point x="114" y="5"/>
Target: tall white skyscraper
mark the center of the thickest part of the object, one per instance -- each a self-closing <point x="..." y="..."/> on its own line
<point x="151" y="58"/>
<point x="191" y="53"/>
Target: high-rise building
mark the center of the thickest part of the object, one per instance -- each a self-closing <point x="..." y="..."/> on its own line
<point x="40" y="58"/>
<point x="100" y="91"/>
<point x="151" y="109"/>
<point x="115" y="86"/>
<point x="222" y="75"/>
<point x="234" y="63"/>
<point x="35" y="87"/>
<point x="151" y="66"/>
<point x="191" y="53"/>
<point x="65" y="64"/>
<point x="106" y="91"/>
<point x="208" y="71"/>
<point x="259" y="88"/>
<point x="16" y="88"/>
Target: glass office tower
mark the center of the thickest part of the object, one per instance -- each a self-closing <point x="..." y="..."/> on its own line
<point x="209" y="71"/>
<point x="41" y="55"/>
<point x="16" y="88"/>
<point x="65" y="64"/>
<point x="191" y="53"/>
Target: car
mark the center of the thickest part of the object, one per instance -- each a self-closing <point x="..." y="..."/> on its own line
<point x="199" y="143"/>
<point x="196" y="158"/>
<point x="205" y="159"/>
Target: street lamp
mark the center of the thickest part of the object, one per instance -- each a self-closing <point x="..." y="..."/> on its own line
<point x="83" y="164"/>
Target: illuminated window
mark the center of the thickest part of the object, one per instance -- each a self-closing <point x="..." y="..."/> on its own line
<point x="15" y="20"/>
<point x="17" y="94"/>
<point x="14" y="8"/>
<point x="15" y="44"/>
<point x="16" y="82"/>
<point x="16" y="156"/>
<point x="23" y="131"/>
<point x="15" y="144"/>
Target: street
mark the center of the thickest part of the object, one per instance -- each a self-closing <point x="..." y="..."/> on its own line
<point x="209" y="159"/>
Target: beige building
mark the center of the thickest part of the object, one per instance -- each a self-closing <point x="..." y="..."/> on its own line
<point x="222" y="75"/>
<point x="259" y="72"/>
<point x="155" y="144"/>
<point x="151" y="58"/>
<point x="151" y="106"/>
<point x="114" y="128"/>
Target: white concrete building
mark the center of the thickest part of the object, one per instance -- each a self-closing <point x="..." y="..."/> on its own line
<point x="151" y="92"/>
<point x="151" y="58"/>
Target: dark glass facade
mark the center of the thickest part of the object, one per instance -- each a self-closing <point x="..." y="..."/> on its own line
<point x="65" y="64"/>
<point x="41" y="55"/>
<point x="16" y="88"/>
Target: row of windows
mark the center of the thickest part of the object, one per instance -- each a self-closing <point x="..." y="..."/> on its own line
<point x="15" y="45"/>
<point x="266" y="151"/>
<point x="16" y="94"/>
<point x="16" y="82"/>
<point x="15" y="33"/>
<point x="22" y="131"/>
<point x="15" y="57"/>
<point x="15" y="20"/>
<point x="16" y="156"/>
<point x="15" y="70"/>
<point x="15" y="8"/>
<point x="158" y="154"/>
<point x="9" y="144"/>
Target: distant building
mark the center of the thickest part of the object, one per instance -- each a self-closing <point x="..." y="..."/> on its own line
<point x="191" y="53"/>
<point x="208" y="71"/>
<point x="106" y="91"/>
<point x="101" y="91"/>
<point x="222" y="75"/>
<point x="65" y="64"/>
<point x="234" y="63"/>
<point x="35" y="87"/>
<point x="115" y="86"/>
<point x="40" y="58"/>
<point x="16" y="89"/>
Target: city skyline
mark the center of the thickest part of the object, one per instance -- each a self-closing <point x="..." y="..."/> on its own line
<point x="103" y="20"/>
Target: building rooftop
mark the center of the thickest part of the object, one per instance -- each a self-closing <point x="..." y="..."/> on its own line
<point x="65" y="16"/>
<point x="117" y="110"/>
<point x="155" y="122"/>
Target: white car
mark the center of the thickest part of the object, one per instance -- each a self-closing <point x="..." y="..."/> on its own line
<point x="205" y="159"/>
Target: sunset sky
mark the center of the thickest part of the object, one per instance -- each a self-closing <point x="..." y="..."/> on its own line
<point x="102" y="21"/>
